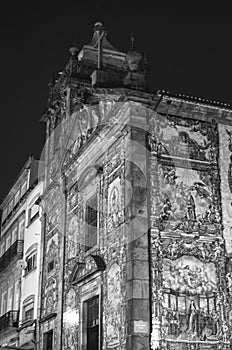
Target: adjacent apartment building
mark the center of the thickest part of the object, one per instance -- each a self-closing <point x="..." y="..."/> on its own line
<point x="19" y="259"/>
<point x="136" y="223"/>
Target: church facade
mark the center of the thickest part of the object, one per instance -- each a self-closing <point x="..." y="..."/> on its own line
<point x="136" y="224"/>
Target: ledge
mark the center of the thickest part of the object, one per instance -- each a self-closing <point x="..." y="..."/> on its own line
<point x="48" y="317"/>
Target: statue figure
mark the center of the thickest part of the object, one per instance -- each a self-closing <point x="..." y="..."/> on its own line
<point x="114" y="206"/>
<point x="173" y="247"/>
<point x="215" y="322"/>
<point x="166" y="209"/>
<point x="190" y="214"/>
<point x="218" y="250"/>
<point x="192" y="319"/>
<point x="224" y="332"/>
<point x="204" y="250"/>
<point x="211" y="214"/>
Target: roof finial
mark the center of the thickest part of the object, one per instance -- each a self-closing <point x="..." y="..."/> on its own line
<point x="132" y="41"/>
<point x="74" y="47"/>
<point x="133" y="57"/>
<point x="101" y="33"/>
<point x="98" y="26"/>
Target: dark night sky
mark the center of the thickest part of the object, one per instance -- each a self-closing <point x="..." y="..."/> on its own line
<point x="188" y="49"/>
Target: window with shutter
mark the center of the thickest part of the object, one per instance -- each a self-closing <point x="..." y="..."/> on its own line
<point x="31" y="262"/>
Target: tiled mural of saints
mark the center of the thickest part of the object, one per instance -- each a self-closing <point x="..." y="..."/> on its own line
<point x="188" y="138"/>
<point x="191" y="310"/>
<point x="187" y="199"/>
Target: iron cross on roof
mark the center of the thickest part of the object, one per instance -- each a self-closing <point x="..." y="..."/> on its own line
<point x="101" y="35"/>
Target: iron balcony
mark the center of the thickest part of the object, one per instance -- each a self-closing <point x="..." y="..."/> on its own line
<point x="10" y="319"/>
<point x="15" y="250"/>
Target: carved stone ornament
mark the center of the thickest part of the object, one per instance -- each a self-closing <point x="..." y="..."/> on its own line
<point x="82" y="270"/>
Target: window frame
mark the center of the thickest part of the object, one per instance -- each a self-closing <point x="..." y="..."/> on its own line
<point x="17" y="197"/>
<point x="31" y="219"/>
<point x="23" y="188"/>
<point x="21" y="228"/>
<point x="4" y="301"/>
<point x="28" y="305"/>
<point x="8" y="241"/>
<point x="10" y="206"/>
<point x="14" y="234"/>
<point x="84" y="319"/>
<point x="10" y="297"/>
<point x="45" y="339"/>
<point x="33" y="257"/>
<point x="17" y="288"/>
<point x="4" y="214"/>
<point x="3" y="247"/>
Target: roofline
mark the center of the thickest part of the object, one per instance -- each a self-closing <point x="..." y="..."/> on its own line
<point x="26" y="166"/>
<point x="195" y="99"/>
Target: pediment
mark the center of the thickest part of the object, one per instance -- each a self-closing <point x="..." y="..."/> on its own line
<point x="82" y="270"/>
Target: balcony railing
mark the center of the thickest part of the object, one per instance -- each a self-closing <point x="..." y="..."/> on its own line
<point x="15" y="250"/>
<point x="10" y="319"/>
